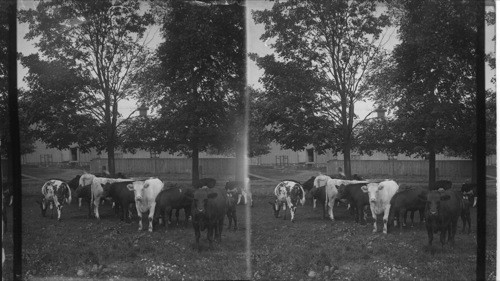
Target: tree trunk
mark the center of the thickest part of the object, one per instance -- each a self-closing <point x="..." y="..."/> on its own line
<point x="347" y="159"/>
<point x="111" y="154"/>
<point x="432" y="166"/>
<point x="195" y="165"/>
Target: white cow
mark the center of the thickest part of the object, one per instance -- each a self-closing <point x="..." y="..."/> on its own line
<point x="331" y="190"/>
<point x="55" y="193"/>
<point x="145" y="193"/>
<point x="380" y="195"/>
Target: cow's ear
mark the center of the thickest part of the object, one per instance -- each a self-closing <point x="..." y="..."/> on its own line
<point x="130" y="187"/>
<point x="445" y="197"/>
<point x="212" y="195"/>
<point x="364" y="188"/>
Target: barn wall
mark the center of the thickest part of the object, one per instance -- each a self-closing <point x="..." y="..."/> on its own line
<point x="209" y="167"/>
<point x="403" y="167"/>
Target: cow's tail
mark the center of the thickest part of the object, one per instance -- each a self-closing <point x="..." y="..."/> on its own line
<point x="303" y="199"/>
<point x="69" y="194"/>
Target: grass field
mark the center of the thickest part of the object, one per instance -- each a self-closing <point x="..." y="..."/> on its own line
<point x="308" y="249"/>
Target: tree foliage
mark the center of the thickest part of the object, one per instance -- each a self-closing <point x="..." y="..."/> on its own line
<point x="324" y="51"/>
<point x="430" y="81"/>
<point x="90" y="53"/>
<point x="198" y="80"/>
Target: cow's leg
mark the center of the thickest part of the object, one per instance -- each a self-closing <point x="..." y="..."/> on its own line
<point x="360" y="213"/>
<point x="239" y="199"/>
<point x="386" y="217"/>
<point x="44" y="207"/>
<point x="453" y="231"/>
<point x="284" y="210"/>
<point x="59" y="209"/>
<point x="412" y="216"/>
<point x="374" y="216"/>
<point x="80" y="202"/>
<point x="292" y="208"/>
<point x="402" y="218"/>
<point x="210" y="231"/>
<point x="197" y="235"/>
<point x="220" y="226"/>
<point x="443" y="234"/>
<point x="97" y="201"/>
<point x="430" y="234"/>
<point x="468" y="218"/>
<point x="139" y="214"/>
<point x="331" y="204"/>
<point x="229" y="218"/>
<point x="236" y="220"/>
<point x="151" y="215"/>
<point x="177" y="215"/>
<point x="314" y="203"/>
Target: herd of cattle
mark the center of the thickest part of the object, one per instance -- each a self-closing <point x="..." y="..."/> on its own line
<point x="440" y="206"/>
<point x="207" y="205"/>
<point x="204" y="204"/>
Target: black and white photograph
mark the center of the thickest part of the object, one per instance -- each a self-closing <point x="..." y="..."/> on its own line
<point x="248" y="139"/>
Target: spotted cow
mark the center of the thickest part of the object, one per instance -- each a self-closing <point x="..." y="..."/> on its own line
<point x="55" y="193"/>
<point x="288" y="194"/>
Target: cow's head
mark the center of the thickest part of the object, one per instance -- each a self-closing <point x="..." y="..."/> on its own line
<point x="372" y="189"/>
<point x="138" y="188"/>
<point x="433" y="204"/>
<point x="48" y="190"/>
<point x="200" y="200"/>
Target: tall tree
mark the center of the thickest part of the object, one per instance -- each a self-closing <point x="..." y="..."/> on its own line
<point x="200" y="77"/>
<point x="324" y="51"/>
<point x="90" y="53"/>
<point x="430" y="81"/>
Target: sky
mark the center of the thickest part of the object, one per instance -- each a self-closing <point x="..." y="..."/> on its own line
<point x="254" y="45"/>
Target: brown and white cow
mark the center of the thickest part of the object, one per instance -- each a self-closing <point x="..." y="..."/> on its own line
<point x="380" y="195"/>
<point x="96" y="190"/>
<point x="331" y="190"/>
<point x="145" y="193"/>
<point x="55" y="193"/>
<point x="288" y="194"/>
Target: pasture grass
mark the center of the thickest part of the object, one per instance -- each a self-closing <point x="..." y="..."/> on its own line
<point x="311" y="248"/>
